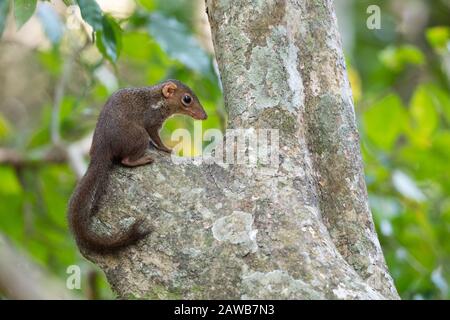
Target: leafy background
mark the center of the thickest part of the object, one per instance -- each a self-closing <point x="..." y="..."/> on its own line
<point x="56" y="81"/>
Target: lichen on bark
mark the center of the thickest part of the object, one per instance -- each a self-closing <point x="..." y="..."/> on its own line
<point x="300" y="230"/>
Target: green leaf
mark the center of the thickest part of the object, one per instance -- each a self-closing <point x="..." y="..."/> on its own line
<point x="10" y="185"/>
<point x="57" y="182"/>
<point x="51" y="60"/>
<point x="11" y="198"/>
<point x="438" y="37"/>
<point x="424" y="116"/>
<point x="91" y="13"/>
<point x="4" y="9"/>
<point x="138" y="46"/>
<point x="397" y="58"/>
<point x="385" y="121"/>
<point x="175" y="39"/>
<point x="150" y="5"/>
<point x="23" y="10"/>
<point x="109" y="40"/>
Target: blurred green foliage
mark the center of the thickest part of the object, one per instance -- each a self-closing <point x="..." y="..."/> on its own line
<point x="404" y="117"/>
<point x="401" y="92"/>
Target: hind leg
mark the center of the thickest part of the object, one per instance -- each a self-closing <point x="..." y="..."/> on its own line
<point x="136" y="156"/>
<point x="129" y="162"/>
<point x="133" y="146"/>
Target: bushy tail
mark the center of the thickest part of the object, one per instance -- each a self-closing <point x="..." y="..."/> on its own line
<point x="84" y="203"/>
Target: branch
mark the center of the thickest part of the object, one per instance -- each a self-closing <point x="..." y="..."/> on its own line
<point x="73" y="154"/>
<point x="17" y="159"/>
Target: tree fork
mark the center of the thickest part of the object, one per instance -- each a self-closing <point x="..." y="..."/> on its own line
<point x="302" y="230"/>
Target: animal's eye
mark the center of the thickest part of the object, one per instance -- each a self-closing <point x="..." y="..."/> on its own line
<point x="187" y="99"/>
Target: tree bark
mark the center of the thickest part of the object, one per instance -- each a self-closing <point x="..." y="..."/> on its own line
<point x="302" y="230"/>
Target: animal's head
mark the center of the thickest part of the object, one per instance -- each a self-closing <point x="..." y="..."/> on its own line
<point x="181" y="99"/>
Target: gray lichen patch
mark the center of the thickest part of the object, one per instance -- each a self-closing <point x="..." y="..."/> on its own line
<point x="276" y="284"/>
<point x="236" y="228"/>
<point x="343" y="293"/>
<point x="267" y="73"/>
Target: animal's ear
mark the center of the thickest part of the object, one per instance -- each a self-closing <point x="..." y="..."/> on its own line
<point x="168" y="89"/>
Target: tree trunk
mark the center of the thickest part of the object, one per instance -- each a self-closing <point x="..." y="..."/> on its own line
<point x="302" y="230"/>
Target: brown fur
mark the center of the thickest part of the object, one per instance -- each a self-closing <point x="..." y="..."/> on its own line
<point x="129" y="120"/>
